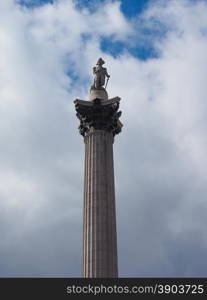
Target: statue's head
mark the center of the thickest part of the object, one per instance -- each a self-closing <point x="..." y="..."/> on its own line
<point x="100" y="61"/>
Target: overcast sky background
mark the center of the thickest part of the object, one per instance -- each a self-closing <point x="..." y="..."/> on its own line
<point x="156" y="54"/>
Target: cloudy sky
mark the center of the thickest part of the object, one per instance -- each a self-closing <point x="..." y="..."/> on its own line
<point x="156" y="54"/>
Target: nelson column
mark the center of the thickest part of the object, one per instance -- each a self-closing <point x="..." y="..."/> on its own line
<point x="99" y="123"/>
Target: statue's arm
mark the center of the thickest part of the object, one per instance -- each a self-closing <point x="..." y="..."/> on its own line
<point x="107" y="75"/>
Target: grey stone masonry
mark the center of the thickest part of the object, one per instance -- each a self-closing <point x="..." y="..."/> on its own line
<point x="99" y="123"/>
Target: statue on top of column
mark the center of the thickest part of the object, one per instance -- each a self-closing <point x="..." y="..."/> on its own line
<point x="100" y="75"/>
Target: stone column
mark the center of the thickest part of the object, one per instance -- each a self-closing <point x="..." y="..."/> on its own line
<point x="99" y="124"/>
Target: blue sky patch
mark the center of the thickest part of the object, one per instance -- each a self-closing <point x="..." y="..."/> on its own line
<point x="117" y="48"/>
<point x="34" y="3"/>
<point x="130" y="8"/>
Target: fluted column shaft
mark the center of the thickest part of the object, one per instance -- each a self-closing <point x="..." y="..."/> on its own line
<point x="99" y="232"/>
<point x="99" y="123"/>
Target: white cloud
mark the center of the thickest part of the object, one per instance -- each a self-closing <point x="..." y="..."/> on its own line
<point x="161" y="153"/>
